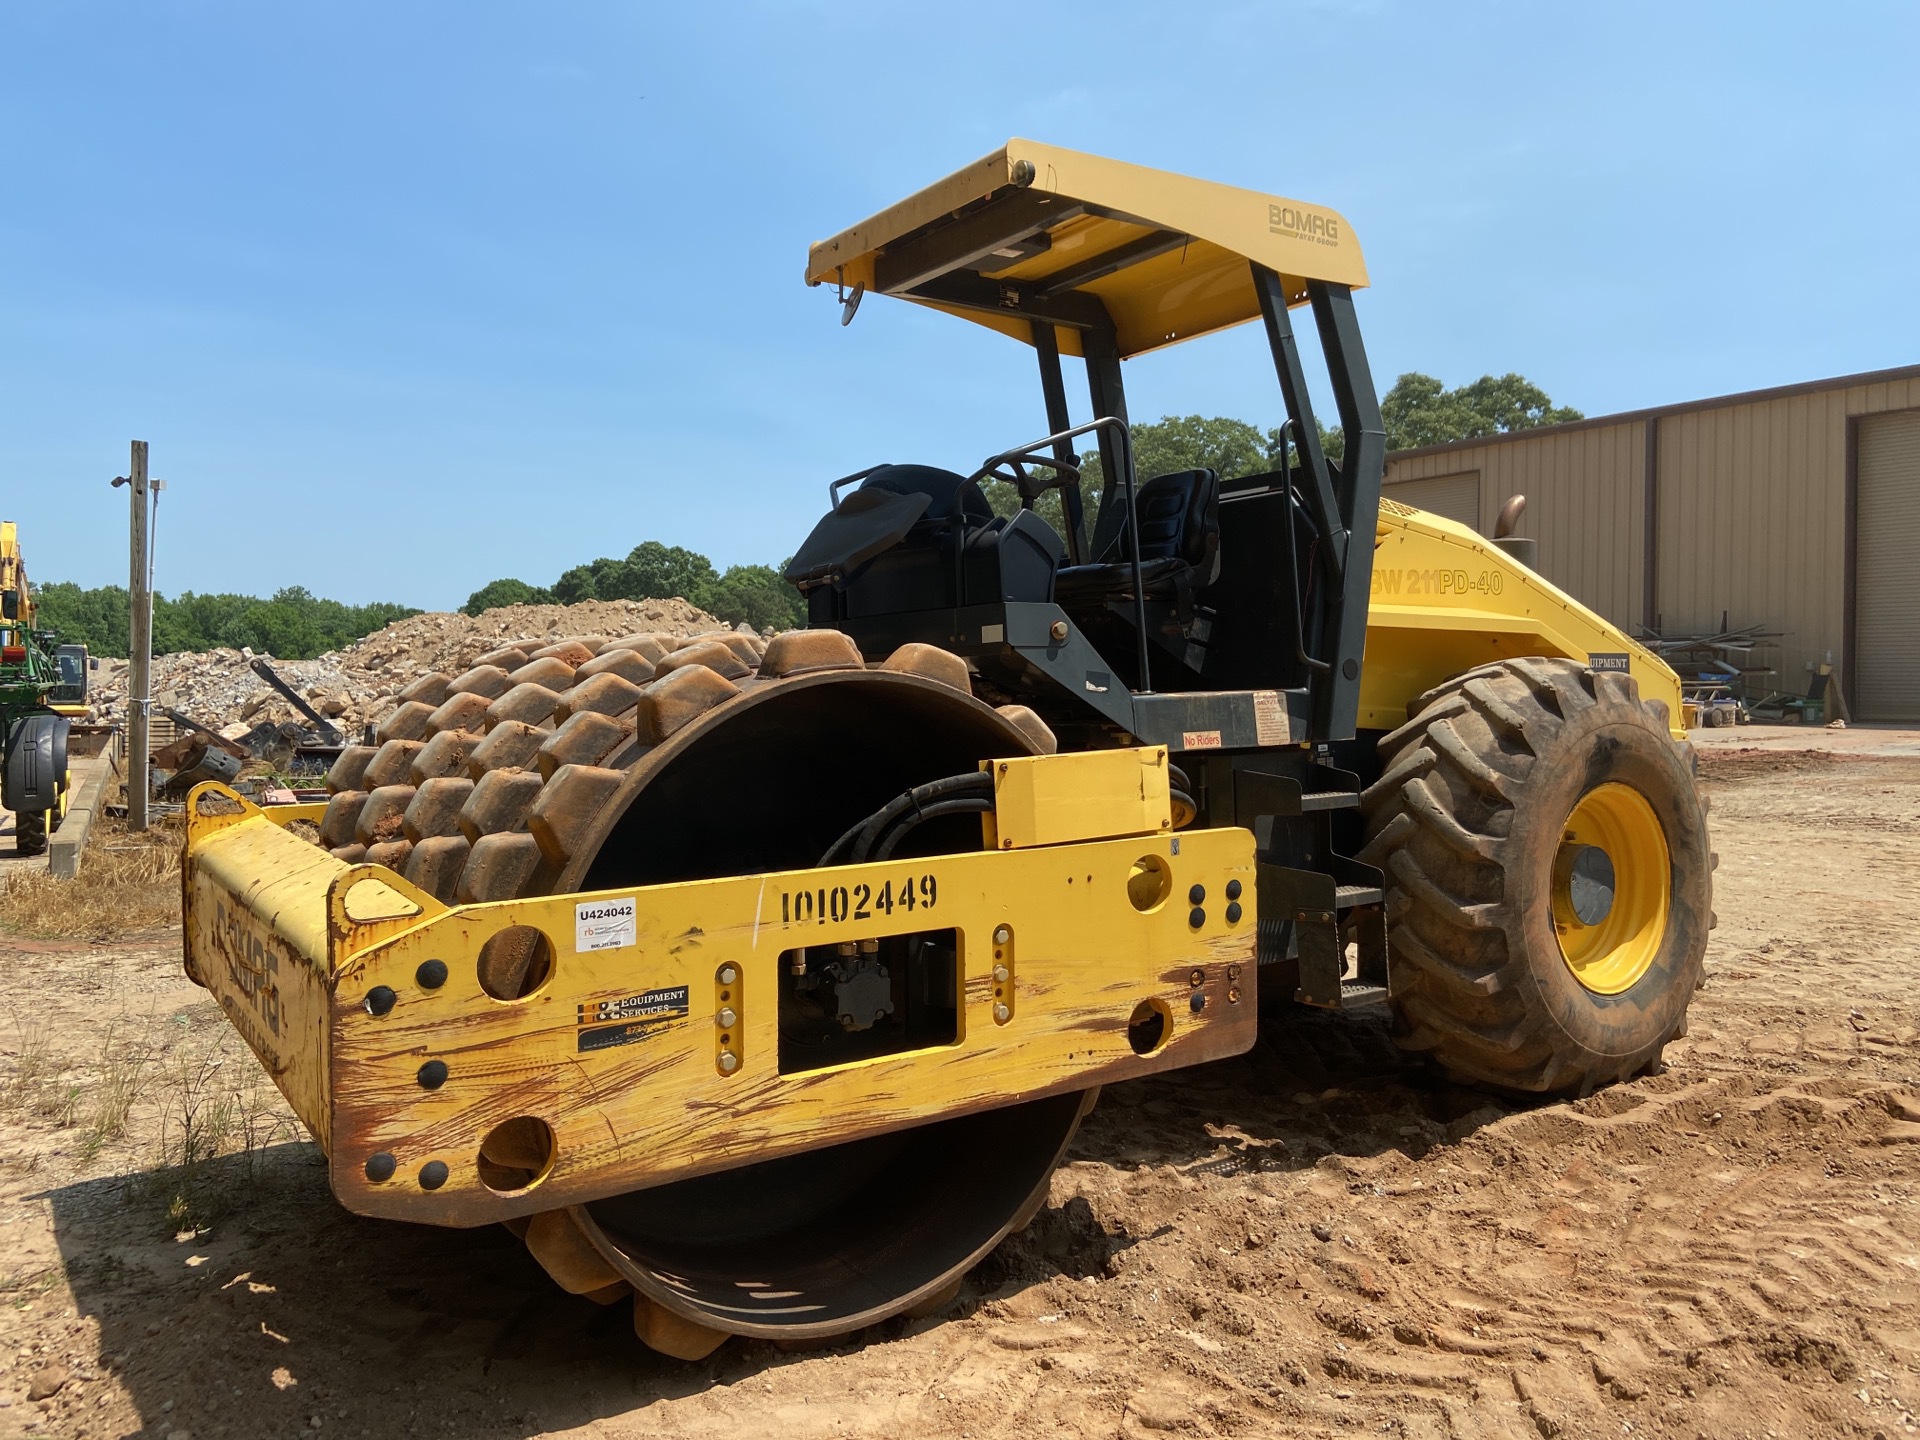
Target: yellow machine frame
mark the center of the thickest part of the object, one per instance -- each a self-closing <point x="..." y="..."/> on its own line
<point x="1445" y="599"/>
<point x="656" y="1058"/>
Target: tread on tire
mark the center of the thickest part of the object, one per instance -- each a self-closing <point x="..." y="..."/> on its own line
<point x="1466" y="821"/>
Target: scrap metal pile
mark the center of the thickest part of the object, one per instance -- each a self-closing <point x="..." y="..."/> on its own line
<point x="1718" y="670"/>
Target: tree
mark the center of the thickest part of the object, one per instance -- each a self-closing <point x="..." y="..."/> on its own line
<point x="1419" y="410"/>
<point x="1188" y="442"/>
<point x="283" y="626"/>
<point x="496" y="593"/>
<point x="199" y="622"/>
<point x="97" y="618"/>
<point x="1333" y="442"/>
<point x="582" y="582"/>
<point x="293" y="624"/>
<point x="651" y="571"/>
<point x="1174" y="442"/>
<point x="661" y="572"/>
<point x="1162" y="447"/>
<point x="757" y="595"/>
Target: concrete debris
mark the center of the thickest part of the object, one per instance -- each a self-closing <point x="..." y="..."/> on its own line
<point x="48" y="1381"/>
<point x="359" y="685"/>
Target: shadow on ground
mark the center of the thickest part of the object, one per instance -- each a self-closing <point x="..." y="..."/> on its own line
<point x="285" y="1307"/>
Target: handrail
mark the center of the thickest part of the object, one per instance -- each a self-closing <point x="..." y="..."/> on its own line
<point x="1293" y="552"/>
<point x="833" y="490"/>
<point x="1025" y="454"/>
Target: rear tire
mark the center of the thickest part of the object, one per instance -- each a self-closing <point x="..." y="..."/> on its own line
<point x="30" y="832"/>
<point x="1520" y="958"/>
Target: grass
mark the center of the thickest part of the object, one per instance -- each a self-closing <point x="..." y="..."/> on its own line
<point x="184" y="1091"/>
<point x="127" y="885"/>
<point x="23" y="1286"/>
<point x="214" y="1102"/>
<point x="32" y="1068"/>
<point x="197" y="1110"/>
<point x="97" y="1099"/>
<point x="37" y="1084"/>
<point x="172" y="1094"/>
<point x="127" y="1066"/>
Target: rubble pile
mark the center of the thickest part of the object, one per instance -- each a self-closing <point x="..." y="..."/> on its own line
<point x="217" y="688"/>
<point x="357" y="686"/>
<point x="451" y="642"/>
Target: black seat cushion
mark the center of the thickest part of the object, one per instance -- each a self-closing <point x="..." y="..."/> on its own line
<point x="1179" y="520"/>
<point x="1085" y="585"/>
<point x="1179" y="517"/>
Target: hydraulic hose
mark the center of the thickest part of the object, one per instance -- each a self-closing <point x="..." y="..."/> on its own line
<point x="860" y="839"/>
<point x="885" y="846"/>
<point x="876" y="837"/>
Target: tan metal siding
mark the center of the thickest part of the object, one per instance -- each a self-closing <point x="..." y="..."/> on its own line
<point x="1752" y="519"/>
<point x="1887" y="570"/>
<point x="1584" y="492"/>
<point x="1457" y="497"/>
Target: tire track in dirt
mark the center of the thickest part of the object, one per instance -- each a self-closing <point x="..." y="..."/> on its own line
<point x="1574" y="1266"/>
<point x="1317" y="1239"/>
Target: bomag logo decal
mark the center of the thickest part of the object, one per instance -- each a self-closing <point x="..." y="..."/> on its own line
<point x="1300" y="224"/>
<point x="1392" y="582"/>
<point x="252" y="997"/>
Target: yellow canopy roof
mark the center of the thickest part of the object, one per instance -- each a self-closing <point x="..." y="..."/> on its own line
<point x="1034" y="232"/>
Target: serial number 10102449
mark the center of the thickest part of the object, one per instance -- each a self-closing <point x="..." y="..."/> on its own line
<point x="858" y="902"/>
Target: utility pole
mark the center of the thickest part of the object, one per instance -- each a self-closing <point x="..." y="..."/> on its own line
<point x="140" y="649"/>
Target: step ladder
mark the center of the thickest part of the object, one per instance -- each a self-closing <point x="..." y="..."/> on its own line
<point x="1308" y="909"/>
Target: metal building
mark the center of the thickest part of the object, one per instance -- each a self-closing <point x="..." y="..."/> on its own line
<point x="1797" y="508"/>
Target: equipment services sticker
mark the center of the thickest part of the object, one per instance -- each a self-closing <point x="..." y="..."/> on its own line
<point x="606" y="1023"/>
<point x="604" y="924"/>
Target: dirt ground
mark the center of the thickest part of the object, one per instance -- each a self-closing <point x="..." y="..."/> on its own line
<point x="1314" y="1240"/>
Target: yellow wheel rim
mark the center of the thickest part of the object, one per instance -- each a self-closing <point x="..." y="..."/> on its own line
<point x="1611" y="889"/>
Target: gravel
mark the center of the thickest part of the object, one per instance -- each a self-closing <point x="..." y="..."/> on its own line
<point x="358" y="685"/>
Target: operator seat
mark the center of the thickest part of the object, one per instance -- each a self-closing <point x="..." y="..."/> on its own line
<point x="916" y="538"/>
<point x="1177" y="517"/>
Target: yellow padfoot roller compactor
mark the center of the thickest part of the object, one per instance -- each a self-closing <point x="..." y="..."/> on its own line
<point x="762" y="985"/>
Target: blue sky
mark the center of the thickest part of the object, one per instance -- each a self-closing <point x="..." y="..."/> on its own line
<point x="408" y="297"/>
